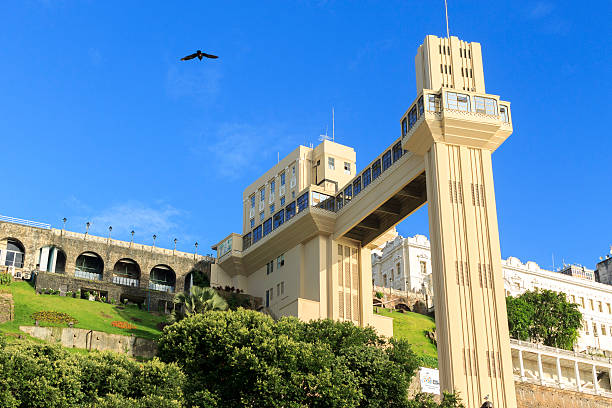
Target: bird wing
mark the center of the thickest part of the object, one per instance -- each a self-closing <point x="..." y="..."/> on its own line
<point x="192" y="56"/>
<point x="209" y="55"/>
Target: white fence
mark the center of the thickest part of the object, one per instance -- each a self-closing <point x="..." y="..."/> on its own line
<point x="29" y="223"/>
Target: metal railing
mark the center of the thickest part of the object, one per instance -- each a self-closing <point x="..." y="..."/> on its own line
<point x="125" y="281"/>
<point x="87" y="275"/>
<point x="4" y="218"/>
<point x="161" y="287"/>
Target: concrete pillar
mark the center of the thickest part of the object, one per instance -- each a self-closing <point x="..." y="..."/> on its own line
<point x="577" y="374"/>
<point x="521" y="365"/>
<point x="52" y="260"/>
<point x="540" y="371"/>
<point x="559" y="371"/>
<point x="43" y="259"/>
<point x="595" y="385"/>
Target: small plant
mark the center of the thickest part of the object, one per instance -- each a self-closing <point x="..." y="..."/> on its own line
<point x="379" y="295"/>
<point x="5" y="278"/>
<point x="103" y="299"/>
<point x="53" y="317"/>
<point x="123" y="325"/>
<point x="69" y="293"/>
<point x="125" y="302"/>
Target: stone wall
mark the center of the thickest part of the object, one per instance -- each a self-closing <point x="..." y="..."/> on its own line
<point x="537" y="396"/>
<point x="6" y="307"/>
<point x="94" y="340"/>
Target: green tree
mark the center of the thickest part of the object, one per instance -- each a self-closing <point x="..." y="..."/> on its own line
<point x="245" y="358"/>
<point x="544" y="317"/>
<point x="198" y="300"/>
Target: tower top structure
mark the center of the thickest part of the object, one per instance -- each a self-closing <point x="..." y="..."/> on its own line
<point x="449" y="63"/>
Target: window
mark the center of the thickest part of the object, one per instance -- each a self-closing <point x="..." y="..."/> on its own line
<point x="261" y="216"/>
<point x="457" y="101"/>
<point x="412" y="117"/>
<point x="271" y="208"/>
<point x="357" y="185"/>
<point x="331" y="163"/>
<point x="282" y="287"/>
<point x="267" y="227"/>
<point x="269" y="267"/>
<point x="282" y="178"/>
<point x="423" y="268"/>
<point x="262" y="194"/>
<point x="290" y="211"/>
<point x="282" y="201"/>
<point x="392" y="275"/>
<point x="503" y="112"/>
<point x="376" y="169"/>
<point x="302" y="202"/>
<point x="252" y="222"/>
<point x="292" y="195"/>
<point x="433" y="103"/>
<point x="348" y="193"/>
<point x="272" y="190"/>
<point x="582" y="302"/>
<point x="253" y="201"/>
<point x="600" y="307"/>
<point x="420" y="105"/>
<point x="397" y="152"/>
<point x="595" y="330"/>
<point x="404" y="127"/>
<point x="271" y="293"/>
<point x="279" y="219"/>
<point x="267" y="298"/>
<point x="257" y="234"/>
<point x="367" y="177"/>
<point x="278" y="289"/>
<point x="487" y="106"/>
<point x="347" y="168"/>
<point x="609" y="308"/>
<point x="280" y="261"/>
<point x="386" y="160"/>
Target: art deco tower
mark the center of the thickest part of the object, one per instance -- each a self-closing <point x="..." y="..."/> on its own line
<point x="456" y="126"/>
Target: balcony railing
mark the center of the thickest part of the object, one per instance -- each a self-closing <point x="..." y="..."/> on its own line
<point x="161" y="287"/>
<point x="125" y="281"/>
<point x="25" y="222"/>
<point x="87" y="275"/>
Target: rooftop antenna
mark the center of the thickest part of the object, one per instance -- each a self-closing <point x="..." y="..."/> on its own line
<point x="324" y="137"/>
<point x="446" y="9"/>
<point x="277" y="157"/>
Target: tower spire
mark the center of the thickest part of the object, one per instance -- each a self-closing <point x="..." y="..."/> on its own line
<point x="446" y="10"/>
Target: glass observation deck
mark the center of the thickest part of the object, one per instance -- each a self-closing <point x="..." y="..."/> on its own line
<point x="311" y="197"/>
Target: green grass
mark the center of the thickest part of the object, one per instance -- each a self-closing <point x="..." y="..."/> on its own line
<point x="412" y="327"/>
<point x="91" y="315"/>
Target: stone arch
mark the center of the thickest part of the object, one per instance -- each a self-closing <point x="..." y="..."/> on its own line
<point x="402" y="306"/>
<point x="162" y="278"/>
<point x="51" y="258"/>
<point x="12" y="252"/>
<point x="89" y="265"/>
<point x="126" y="272"/>
<point x="376" y="302"/>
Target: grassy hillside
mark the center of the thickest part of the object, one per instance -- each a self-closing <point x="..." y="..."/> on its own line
<point x="90" y="315"/>
<point x="412" y="327"/>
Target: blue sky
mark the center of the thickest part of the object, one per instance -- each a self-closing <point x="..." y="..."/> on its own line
<point x="101" y="122"/>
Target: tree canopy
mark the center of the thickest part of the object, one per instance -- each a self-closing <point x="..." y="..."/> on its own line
<point x="544" y="317"/>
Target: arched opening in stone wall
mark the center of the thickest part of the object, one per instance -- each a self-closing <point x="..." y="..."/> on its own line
<point x="51" y="259"/>
<point x="12" y="253"/>
<point x="126" y="272"/>
<point x="89" y="265"/>
<point x="162" y="278"/>
<point x="402" y="307"/>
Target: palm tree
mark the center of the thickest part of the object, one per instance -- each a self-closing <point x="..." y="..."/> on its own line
<point x="199" y="300"/>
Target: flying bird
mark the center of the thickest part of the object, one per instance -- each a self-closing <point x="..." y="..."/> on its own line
<point x="199" y="54"/>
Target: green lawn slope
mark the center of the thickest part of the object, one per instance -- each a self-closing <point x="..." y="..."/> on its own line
<point x="90" y="315"/>
<point x="412" y="327"/>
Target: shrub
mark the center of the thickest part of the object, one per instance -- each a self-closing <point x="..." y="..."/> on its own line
<point x="5" y="278"/>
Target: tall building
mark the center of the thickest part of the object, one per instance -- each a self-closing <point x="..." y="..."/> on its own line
<point x="578" y="271"/>
<point x="306" y="248"/>
<point x="405" y="264"/>
<point x="603" y="270"/>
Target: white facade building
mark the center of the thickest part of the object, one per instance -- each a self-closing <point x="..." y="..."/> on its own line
<point x="405" y="264"/>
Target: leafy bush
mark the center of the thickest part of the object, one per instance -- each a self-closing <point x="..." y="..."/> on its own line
<point x="5" y="278"/>
<point x="54" y="317"/>
<point x="287" y="363"/>
<point x="35" y="375"/>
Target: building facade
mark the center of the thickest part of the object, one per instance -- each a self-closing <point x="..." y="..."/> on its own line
<point x="603" y="270"/>
<point x="406" y="266"/>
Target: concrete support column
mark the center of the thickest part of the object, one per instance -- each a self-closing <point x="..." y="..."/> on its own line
<point x="595" y="385"/>
<point x="53" y="260"/>
<point x="44" y="258"/>
<point x="521" y="365"/>
<point x="559" y="371"/>
<point x="577" y="374"/>
<point x="540" y="371"/>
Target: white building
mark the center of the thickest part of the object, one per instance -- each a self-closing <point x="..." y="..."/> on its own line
<point x="405" y="264"/>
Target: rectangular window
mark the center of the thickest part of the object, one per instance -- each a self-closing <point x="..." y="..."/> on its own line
<point x="591" y="304"/>
<point x="269" y="268"/>
<point x="290" y="211"/>
<point x="271" y="293"/>
<point x="503" y="112"/>
<point x="603" y="330"/>
<point x="386" y="160"/>
<point x="404" y="127"/>
<point x="267" y="227"/>
<point x="609" y="308"/>
<point x="367" y="177"/>
<point x="279" y="218"/>
<point x="302" y="202"/>
<point x="600" y="307"/>
<point x="282" y="178"/>
<point x="412" y="117"/>
<point x="257" y="234"/>
<point x="282" y="201"/>
<point x="357" y="185"/>
<point x="397" y="151"/>
<point x="457" y="101"/>
<point x="252" y="222"/>
<point x="375" y="170"/>
<point x="246" y="241"/>
<point x="261" y="216"/>
<point x="267" y="298"/>
<point x="331" y="163"/>
<point x="582" y="302"/>
<point x="433" y="103"/>
<point x="487" y="106"/>
<point x="282" y="287"/>
<point x="347" y="168"/>
<point x="595" y="329"/>
<point x="339" y="202"/>
<point x="271" y="208"/>
<point x="272" y="188"/>
<point x="280" y="261"/>
<point x="348" y="193"/>
<point x="253" y="201"/>
<point x="262" y="194"/>
<point x="420" y="106"/>
<point x="277" y="289"/>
